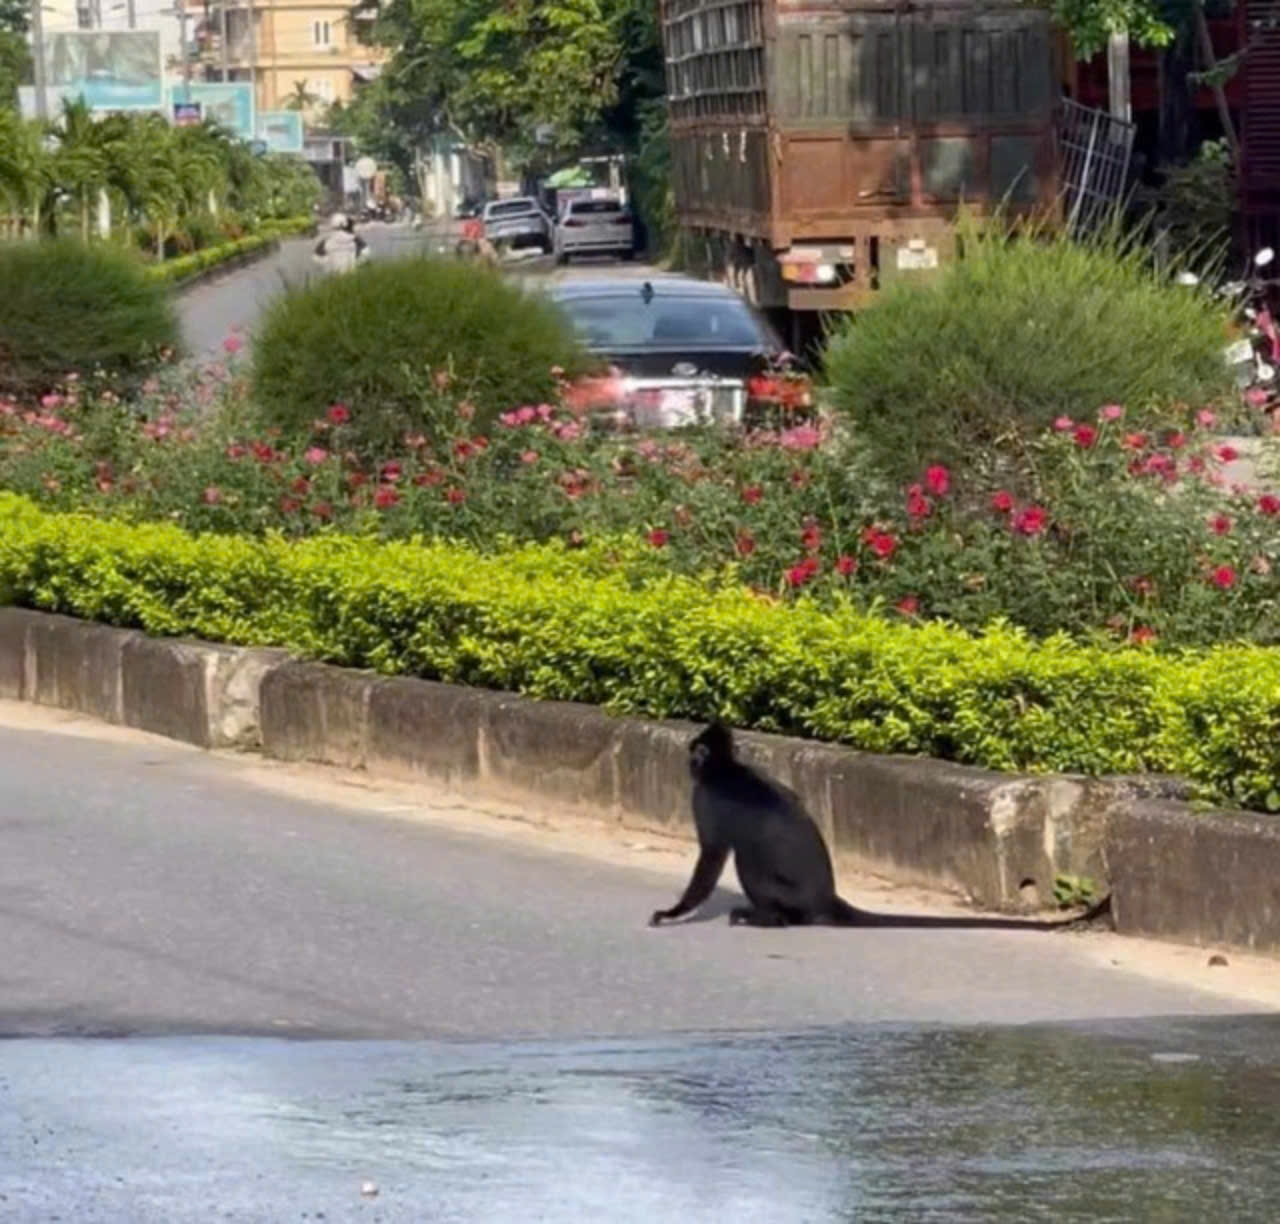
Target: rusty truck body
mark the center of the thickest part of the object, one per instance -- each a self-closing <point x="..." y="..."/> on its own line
<point x="821" y="148"/>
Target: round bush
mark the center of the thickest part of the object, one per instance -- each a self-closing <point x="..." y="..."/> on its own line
<point x="71" y="308"/>
<point x="374" y="340"/>
<point x="1017" y="333"/>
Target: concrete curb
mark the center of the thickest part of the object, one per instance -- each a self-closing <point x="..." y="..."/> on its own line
<point x="1000" y="840"/>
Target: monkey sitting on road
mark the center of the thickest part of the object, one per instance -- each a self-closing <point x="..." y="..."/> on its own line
<point x="782" y="861"/>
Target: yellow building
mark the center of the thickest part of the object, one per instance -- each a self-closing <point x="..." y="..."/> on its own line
<point x="292" y="49"/>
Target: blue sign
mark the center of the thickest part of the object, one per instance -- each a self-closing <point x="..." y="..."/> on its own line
<point x="228" y="103"/>
<point x="281" y="130"/>
<point x="110" y="69"/>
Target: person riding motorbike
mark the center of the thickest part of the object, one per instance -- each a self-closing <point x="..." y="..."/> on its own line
<point x="342" y="249"/>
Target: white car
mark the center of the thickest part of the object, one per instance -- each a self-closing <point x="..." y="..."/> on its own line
<point x="595" y="227"/>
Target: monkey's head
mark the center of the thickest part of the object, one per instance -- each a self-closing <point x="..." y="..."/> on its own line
<point x="710" y="749"/>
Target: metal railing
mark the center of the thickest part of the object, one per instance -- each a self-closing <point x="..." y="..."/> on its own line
<point x="1095" y="150"/>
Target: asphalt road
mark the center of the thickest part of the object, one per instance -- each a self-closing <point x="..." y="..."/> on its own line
<point x="149" y="888"/>
<point x="170" y="920"/>
<point x="212" y="309"/>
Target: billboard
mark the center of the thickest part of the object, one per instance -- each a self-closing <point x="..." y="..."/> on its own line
<point x="228" y="103"/>
<point x="110" y="69"/>
<point x="186" y="114"/>
<point x="281" y="131"/>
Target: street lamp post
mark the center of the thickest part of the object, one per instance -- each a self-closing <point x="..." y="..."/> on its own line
<point x="37" y="54"/>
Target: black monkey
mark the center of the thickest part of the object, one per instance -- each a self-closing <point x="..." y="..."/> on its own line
<point x="781" y="859"/>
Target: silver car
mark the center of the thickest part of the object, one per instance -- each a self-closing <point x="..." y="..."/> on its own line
<point x="595" y="227"/>
<point x="517" y="223"/>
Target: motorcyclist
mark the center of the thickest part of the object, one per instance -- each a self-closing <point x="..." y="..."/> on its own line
<point x="340" y="250"/>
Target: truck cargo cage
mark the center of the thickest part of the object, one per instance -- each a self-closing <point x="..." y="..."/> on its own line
<point x="1095" y="148"/>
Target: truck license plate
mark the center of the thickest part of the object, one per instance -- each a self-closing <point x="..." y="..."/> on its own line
<point x="917" y="259"/>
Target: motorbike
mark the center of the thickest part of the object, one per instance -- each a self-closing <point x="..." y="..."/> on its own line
<point x="1255" y="357"/>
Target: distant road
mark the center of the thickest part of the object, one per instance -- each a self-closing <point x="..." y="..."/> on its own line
<point x="211" y="310"/>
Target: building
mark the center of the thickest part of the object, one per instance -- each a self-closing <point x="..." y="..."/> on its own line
<point x="301" y="54"/>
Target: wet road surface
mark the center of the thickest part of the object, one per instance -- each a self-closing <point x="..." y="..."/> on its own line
<point x="146" y="887"/>
<point x="1155" y="1120"/>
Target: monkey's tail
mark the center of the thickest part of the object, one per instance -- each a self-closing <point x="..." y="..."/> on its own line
<point x="845" y="915"/>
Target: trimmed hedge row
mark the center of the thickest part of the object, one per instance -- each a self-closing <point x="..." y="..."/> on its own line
<point x="185" y="267"/>
<point x="556" y="624"/>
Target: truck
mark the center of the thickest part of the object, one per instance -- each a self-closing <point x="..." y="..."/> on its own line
<point x="821" y="148"/>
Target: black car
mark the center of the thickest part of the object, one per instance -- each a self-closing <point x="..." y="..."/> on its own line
<point x="685" y="351"/>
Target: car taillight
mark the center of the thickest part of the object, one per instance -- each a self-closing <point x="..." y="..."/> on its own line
<point x="764" y="388"/>
<point x="624" y="219"/>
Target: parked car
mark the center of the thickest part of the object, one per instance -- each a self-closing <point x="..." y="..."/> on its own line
<point x="595" y="227"/>
<point x="680" y="351"/>
<point x="517" y="224"/>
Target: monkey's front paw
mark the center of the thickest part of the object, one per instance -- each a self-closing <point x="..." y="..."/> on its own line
<point x="740" y="916"/>
<point x="658" y="918"/>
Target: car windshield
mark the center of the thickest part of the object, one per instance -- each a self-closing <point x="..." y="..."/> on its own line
<point x="617" y="322"/>
<point x="513" y="209"/>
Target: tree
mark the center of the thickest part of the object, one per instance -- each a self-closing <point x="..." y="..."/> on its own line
<point x="530" y="76"/>
<point x="15" y="59"/>
<point x="302" y="98"/>
<point x="26" y="170"/>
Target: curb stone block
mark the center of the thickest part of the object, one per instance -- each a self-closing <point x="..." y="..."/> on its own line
<point x="76" y="666"/>
<point x="654" y="789"/>
<point x="14" y="623"/>
<point x="421" y="729"/>
<point x="311" y="712"/>
<point x="1197" y="877"/>
<point x="558" y="750"/>
<point x="202" y="694"/>
<point x="165" y="688"/>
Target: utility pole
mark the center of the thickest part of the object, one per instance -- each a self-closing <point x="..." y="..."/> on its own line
<point x="1118" y="77"/>
<point x="226" y="41"/>
<point x="37" y="54"/>
<point x="186" y="50"/>
<point x="133" y="14"/>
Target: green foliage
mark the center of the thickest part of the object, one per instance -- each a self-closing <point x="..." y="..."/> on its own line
<point x="185" y="267"/>
<point x="163" y="180"/>
<point x="554" y="624"/>
<point x="372" y="340"/>
<point x="1196" y="204"/>
<point x="1016" y="333"/>
<point x="1091" y="22"/>
<point x="532" y="77"/>
<point x="68" y="307"/>
<point x="1070" y="892"/>
<point x="1120" y="533"/>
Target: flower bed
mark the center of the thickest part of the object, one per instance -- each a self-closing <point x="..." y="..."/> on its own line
<point x="1105" y="530"/>
<point x="556" y="623"/>
<point x="187" y="267"/>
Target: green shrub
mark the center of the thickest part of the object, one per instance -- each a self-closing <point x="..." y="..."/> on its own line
<point x="1016" y="333"/>
<point x="68" y="307"/>
<point x="554" y="624"/>
<point x="373" y="339"/>
<point x="176" y="271"/>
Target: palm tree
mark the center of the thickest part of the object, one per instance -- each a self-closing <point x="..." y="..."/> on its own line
<point x="302" y="98"/>
<point x="150" y="175"/>
<point x="86" y="150"/>
<point x="26" y="170"/>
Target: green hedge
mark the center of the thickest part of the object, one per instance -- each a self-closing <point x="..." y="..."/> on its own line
<point x="185" y="267"/>
<point x="557" y="624"/>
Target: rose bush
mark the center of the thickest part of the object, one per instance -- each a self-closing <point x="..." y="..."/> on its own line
<point x="1110" y="530"/>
